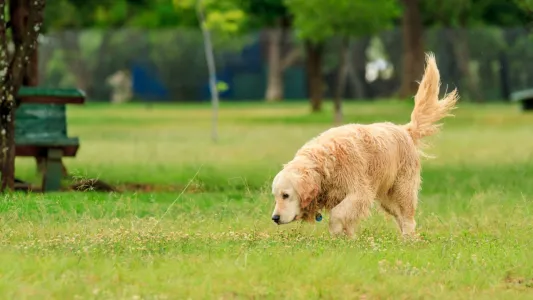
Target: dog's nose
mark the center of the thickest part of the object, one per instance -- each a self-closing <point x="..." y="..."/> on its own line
<point x="276" y="218"/>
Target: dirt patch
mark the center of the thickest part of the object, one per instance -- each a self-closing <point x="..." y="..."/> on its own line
<point x="101" y="186"/>
<point x="92" y="185"/>
<point x="518" y="282"/>
<point x="149" y="188"/>
<point x="97" y="185"/>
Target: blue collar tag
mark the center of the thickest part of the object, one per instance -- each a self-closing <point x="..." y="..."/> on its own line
<point x="318" y="217"/>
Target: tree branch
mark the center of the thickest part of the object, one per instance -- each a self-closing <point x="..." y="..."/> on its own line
<point x="291" y="58"/>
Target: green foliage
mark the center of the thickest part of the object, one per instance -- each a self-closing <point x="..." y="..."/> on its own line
<point x="507" y="13"/>
<point x="72" y="14"/>
<point x="314" y="18"/>
<point x="62" y="14"/>
<point x="317" y="20"/>
<point x="462" y="13"/>
<point x="526" y="5"/>
<point x="264" y="12"/>
<point x="221" y="16"/>
<point x="222" y="86"/>
<point x="227" y="16"/>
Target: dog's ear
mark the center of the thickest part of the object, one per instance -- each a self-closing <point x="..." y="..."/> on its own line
<point x="308" y="188"/>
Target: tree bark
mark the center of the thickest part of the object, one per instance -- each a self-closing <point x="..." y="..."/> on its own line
<point x="31" y="74"/>
<point x="7" y="125"/>
<point x="413" y="48"/>
<point x="314" y="53"/>
<point x="18" y="12"/>
<point x="342" y="76"/>
<point x="26" y="20"/>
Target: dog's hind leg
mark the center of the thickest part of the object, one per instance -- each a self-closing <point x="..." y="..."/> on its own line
<point x="345" y="216"/>
<point x="402" y="201"/>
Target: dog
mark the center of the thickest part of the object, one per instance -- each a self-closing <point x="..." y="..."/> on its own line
<point x="346" y="169"/>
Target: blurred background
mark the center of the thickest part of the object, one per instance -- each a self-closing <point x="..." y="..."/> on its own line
<point x="286" y="70"/>
<point x="273" y="50"/>
<point x="178" y="216"/>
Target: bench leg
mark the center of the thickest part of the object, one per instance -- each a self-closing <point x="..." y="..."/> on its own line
<point x="53" y="171"/>
<point x="40" y="161"/>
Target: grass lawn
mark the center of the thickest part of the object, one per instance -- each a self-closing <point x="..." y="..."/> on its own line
<point x="217" y="241"/>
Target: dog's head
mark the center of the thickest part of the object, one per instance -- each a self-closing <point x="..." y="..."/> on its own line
<point x="293" y="191"/>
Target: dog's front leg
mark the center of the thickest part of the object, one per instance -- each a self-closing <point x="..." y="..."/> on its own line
<point x="345" y="216"/>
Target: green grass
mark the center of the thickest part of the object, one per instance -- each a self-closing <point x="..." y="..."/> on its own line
<point x="217" y="240"/>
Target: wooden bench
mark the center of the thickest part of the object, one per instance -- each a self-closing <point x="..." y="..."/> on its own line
<point x="41" y="130"/>
<point x="525" y="97"/>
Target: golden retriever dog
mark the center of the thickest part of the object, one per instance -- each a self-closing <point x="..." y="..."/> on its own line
<point x="346" y="168"/>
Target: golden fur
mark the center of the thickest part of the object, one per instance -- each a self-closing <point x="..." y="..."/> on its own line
<point x="346" y="168"/>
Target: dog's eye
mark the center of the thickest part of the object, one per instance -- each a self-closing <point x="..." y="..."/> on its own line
<point x="285" y="196"/>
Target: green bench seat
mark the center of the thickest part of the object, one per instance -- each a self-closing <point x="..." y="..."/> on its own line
<point x="30" y="94"/>
<point x="41" y="129"/>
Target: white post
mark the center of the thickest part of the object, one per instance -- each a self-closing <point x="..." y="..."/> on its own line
<point x="210" y="58"/>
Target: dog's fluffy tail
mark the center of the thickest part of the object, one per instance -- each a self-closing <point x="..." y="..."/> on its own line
<point x="428" y="108"/>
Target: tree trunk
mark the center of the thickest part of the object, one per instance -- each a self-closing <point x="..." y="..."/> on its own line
<point x="461" y="53"/>
<point x="391" y="39"/>
<point x="278" y="59"/>
<point x="31" y="78"/>
<point x="274" y="90"/>
<point x="413" y="48"/>
<point x="18" y="12"/>
<point x="26" y="24"/>
<point x="342" y="75"/>
<point x="8" y="177"/>
<point x="314" y="53"/>
<point x="504" y="76"/>
<point x="7" y="129"/>
<point x="357" y="68"/>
